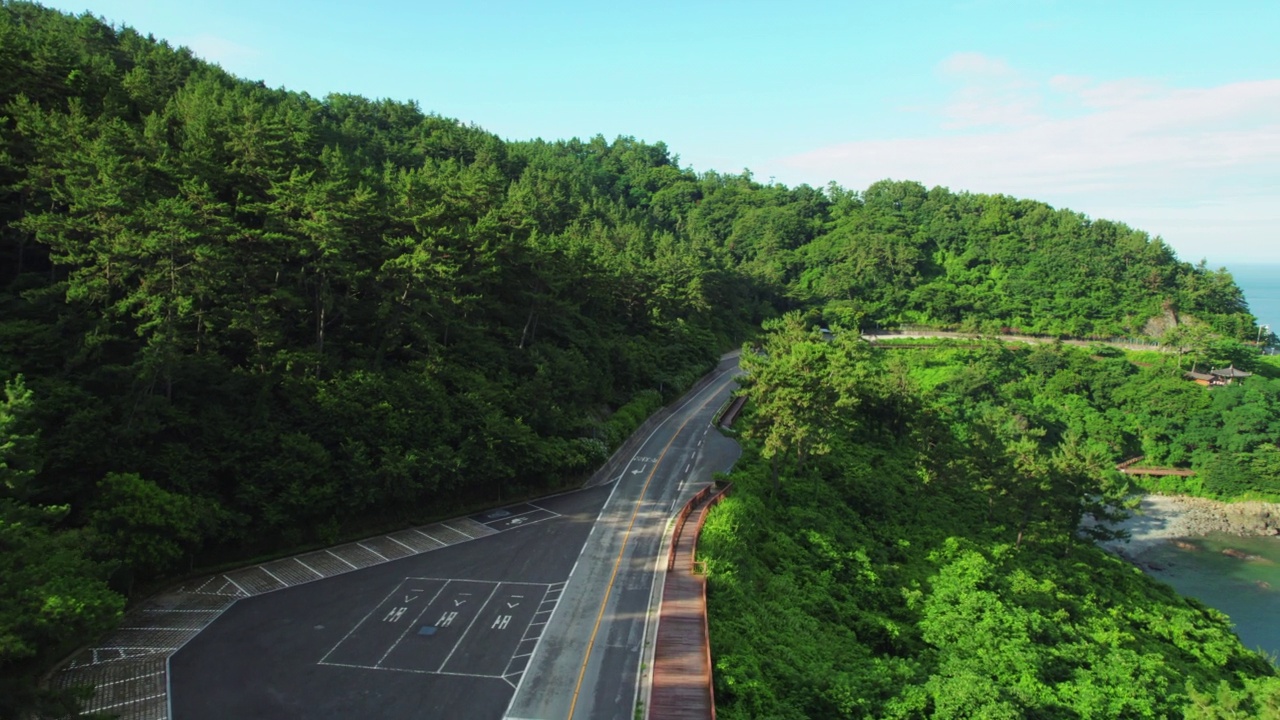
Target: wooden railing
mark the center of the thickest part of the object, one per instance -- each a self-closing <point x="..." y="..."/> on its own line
<point x="684" y="576"/>
<point x="1127" y="468"/>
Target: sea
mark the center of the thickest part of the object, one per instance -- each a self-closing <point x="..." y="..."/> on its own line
<point x="1248" y="591"/>
<point x="1260" y="283"/>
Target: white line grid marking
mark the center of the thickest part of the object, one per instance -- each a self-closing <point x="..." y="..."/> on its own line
<point x="406" y="547"/>
<point x="469" y="626"/>
<point x="441" y="543"/>
<point x="344" y="560"/>
<point x="469" y="537"/>
<point x="242" y="590"/>
<point x="551" y="515"/>
<point x="363" y="620"/>
<point x="411" y="625"/>
<point x="317" y="572"/>
<point x="227" y="591"/>
<point x="557" y="589"/>
<point x="530" y="635"/>
<point x="273" y="576"/>
<point x="375" y="552"/>
<point x="131" y="702"/>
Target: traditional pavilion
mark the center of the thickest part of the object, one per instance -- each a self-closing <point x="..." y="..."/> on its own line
<point x="1217" y="376"/>
<point x="1228" y="375"/>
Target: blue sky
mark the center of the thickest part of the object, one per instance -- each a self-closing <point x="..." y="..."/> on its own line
<point x="1162" y="114"/>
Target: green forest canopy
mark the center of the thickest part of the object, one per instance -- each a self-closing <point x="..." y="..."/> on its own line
<point x="904" y="541"/>
<point x="236" y="319"/>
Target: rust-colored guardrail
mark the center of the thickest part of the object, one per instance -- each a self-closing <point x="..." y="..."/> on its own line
<point x="732" y="412"/>
<point x="680" y="521"/>
<point x="681" y="584"/>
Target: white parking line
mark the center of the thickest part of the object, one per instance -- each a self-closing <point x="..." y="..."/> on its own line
<point x="129" y="680"/>
<point x="357" y="625"/>
<point x="441" y="542"/>
<point x="273" y="576"/>
<point x="469" y="626"/>
<point x="409" y="627"/>
<point x="134" y="701"/>
<point x="375" y="552"/>
<point x="406" y="547"/>
<point x="242" y="590"/>
<point x="344" y="560"/>
<point x="447" y="525"/>
<point x="309" y="568"/>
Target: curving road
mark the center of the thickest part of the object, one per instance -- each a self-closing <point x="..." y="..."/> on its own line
<point x="587" y="665"/>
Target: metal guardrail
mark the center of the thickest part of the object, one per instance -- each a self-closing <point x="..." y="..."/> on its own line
<point x="699" y="500"/>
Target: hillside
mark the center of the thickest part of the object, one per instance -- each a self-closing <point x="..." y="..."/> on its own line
<point x="904" y="541"/>
<point x="236" y="319"/>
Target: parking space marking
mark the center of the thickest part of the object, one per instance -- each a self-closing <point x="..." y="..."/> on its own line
<point x="155" y="633"/>
<point x="375" y="552"/>
<point x="409" y="627"/>
<point x="344" y="560"/>
<point x="357" y="625"/>
<point x="469" y="626"/>
<point x="428" y="536"/>
<point x="406" y="547"/>
<point x="242" y="590"/>
<point x="465" y="535"/>
<point x="501" y="613"/>
<point x="309" y="568"/>
<point x="273" y="576"/>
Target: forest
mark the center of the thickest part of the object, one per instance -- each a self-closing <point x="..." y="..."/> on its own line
<point x="238" y="320"/>
<point x="904" y="539"/>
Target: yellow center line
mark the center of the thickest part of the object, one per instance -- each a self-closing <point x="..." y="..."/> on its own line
<point x="618" y="563"/>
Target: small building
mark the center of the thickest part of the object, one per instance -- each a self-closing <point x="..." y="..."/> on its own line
<point x="1204" y="379"/>
<point x="1228" y="375"/>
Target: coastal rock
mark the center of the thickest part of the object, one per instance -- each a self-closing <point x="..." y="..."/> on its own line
<point x="1238" y="554"/>
<point x="1169" y="518"/>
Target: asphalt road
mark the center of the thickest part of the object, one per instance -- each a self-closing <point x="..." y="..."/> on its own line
<point x="545" y="619"/>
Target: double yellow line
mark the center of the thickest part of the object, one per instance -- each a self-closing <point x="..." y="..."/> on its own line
<point x="618" y="562"/>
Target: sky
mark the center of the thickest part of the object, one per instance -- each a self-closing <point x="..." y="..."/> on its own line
<point x="1162" y="114"/>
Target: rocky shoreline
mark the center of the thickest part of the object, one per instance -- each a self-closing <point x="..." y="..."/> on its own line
<point x="1164" y="518"/>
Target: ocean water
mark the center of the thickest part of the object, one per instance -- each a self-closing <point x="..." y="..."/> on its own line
<point x="1261" y="285"/>
<point x="1248" y="591"/>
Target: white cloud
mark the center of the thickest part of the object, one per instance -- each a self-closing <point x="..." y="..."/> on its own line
<point x="1130" y="146"/>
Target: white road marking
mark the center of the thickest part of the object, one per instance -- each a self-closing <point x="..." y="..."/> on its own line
<point x="309" y="568"/>
<point x="468" y="630"/>
<point x="469" y="537"/>
<point x="130" y="702"/>
<point x="273" y="576"/>
<point x="406" y="547"/>
<point x="242" y="590"/>
<point x="344" y="560"/>
<point x="425" y="608"/>
<point x="429" y="537"/>
<point x="375" y="552"/>
<point x="362" y="621"/>
<point x="128" y="680"/>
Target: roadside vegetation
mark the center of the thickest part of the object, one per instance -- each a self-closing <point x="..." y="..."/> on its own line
<point x="236" y="320"/>
<point x="904" y="539"/>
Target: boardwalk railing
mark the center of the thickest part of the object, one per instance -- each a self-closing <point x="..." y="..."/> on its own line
<point x="682" y="684"/>
<point x="1127" y="467"/>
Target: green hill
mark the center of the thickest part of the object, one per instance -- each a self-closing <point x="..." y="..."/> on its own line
<point x="236" y="319"/>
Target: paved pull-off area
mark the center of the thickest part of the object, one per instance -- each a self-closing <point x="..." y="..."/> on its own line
<point x="538" y="610"/>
